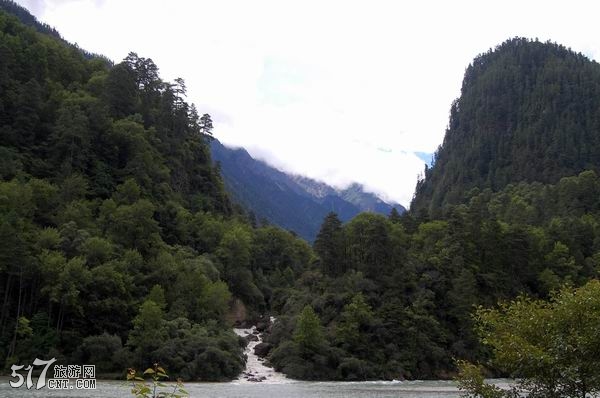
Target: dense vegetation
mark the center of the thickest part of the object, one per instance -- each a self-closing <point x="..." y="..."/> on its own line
<point x="528" y="111"/>
<point x="552" y="346"/>
<point x="119" y="245"/>
<point x="395" y="296"/>
<point x="502" y="212"/>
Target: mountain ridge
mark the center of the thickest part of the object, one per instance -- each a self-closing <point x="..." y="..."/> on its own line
<point x="270" y="193"/>
<point x="523" y="104"/>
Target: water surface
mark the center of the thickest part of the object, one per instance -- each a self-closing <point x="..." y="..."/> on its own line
<point x="242" y="389"/>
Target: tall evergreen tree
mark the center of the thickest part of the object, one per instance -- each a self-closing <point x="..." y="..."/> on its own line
<point x="329" y="245"/>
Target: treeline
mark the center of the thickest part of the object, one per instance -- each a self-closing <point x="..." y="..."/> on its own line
<point x="394" y="297"/>
<point x="120" y="246"/>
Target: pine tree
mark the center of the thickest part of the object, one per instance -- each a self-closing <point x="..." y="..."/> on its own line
<point x="329" y="245"/>
<point x="206" y="125"/>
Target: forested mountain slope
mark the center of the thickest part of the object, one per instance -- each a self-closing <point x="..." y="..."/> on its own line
<point x="395" y="297"/>
<point x="119" y="245"/>
<point x="26" y="18"/>
<point x="528" y="111"/>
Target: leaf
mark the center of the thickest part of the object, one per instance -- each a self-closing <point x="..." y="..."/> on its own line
<point x="149" y="371"/>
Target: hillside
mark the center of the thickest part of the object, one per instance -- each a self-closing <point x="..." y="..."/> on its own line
<point x="120" y="246"/>
<point x="503" y="212"/>
<point x="528" y="111"/>
<point x="291" y="202"/>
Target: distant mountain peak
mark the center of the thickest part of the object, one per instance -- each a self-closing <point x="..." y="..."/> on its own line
<point x="291" y="201"/>
<point x="315" y="188"/>
<point x="358" y="195"/>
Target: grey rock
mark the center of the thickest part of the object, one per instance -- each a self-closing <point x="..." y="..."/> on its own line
<point x="262" y="349"/>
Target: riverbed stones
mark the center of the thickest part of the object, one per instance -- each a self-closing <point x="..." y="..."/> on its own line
<point x="250" y="337"/>
<point x="262" y="326"/>
<point x="262" y="349"/>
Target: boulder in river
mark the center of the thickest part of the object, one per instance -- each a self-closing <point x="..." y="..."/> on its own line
<point x="250" y="337"/>
<point x="244" y="324"/>
<point x="262" y="326"/>
<point x="262" y="349"/>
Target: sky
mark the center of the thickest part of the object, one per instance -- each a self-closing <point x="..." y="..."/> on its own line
<point x="341" y="91"/>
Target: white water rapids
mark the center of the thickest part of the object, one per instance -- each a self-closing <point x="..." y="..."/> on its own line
<point x="256" y="370"/>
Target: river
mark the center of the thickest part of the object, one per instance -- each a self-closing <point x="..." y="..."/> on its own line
<point x="255" y="368"/>
<point x="273" y="385"/>
<point x="243" y="389"/>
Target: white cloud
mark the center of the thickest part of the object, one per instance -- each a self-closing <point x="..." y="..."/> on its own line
<point x="318" y="87"/>
<point x="36" y="7"/>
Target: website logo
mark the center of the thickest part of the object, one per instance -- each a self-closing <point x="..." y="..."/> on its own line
<point x="66" y="377"/>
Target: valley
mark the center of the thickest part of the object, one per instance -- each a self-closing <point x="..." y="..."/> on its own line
<point x="132" y="239"/>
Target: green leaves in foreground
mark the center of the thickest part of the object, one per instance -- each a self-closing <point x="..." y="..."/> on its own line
<point x="143" y="389"/>
<point x="471" y="381"/>
<point x="553" y="346"/>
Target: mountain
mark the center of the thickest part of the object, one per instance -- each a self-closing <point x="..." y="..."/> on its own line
<point x="292" y="202"/>
<point x="365" y="201"/>
<point x="528" y="111"/>
<point x="119" y="244"/>
<point x="354" y="194"/>
<point x="26" y="18"/>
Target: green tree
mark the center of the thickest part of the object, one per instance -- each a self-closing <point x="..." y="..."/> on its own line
<point x="206" y="125"/>
<point x="134" y="226"/>
<point x="471" y="381"/>
<point x="72" y="137"/>
<point x="120" y="93"/>
<point x="309" y="333"/>
<point x="368" y="244"/>
<point x="551" y="346"/>
<point x="157" y="295"/>
<point x="329" y="245"/>
<point x="235" y="252"/>
<point x="353" y="328"/>
<point x="214" y="300"/>
<point x="561" y="264"/>
<point x="149" y="331"/>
